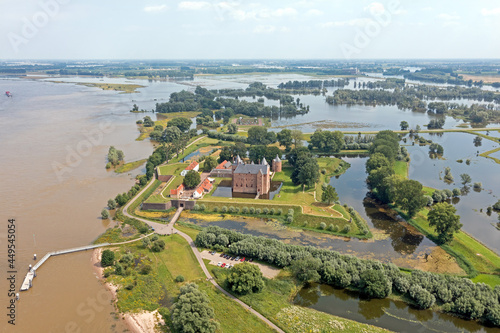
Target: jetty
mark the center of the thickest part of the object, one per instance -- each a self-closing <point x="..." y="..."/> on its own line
<point x="28" y="280"/>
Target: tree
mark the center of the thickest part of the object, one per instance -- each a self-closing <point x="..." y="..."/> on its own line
<point x="192" y="312"/>
<point x="409" y="196"/>
<point x="158" y="245"/>
<point x="232" y="128"/>
<point x="148" y="122"/>
<point x="466" y="179"/>
<point x="107" y="258"/>
<point x="258" y="135"/>
<point x="306" y="269"/>
<point x="239" y="148"/>
<point x="404" y="125"/>
<point x="111" y="204"/>
<point x="477" y="141"/>
<point x="329" y="195"/>
<point x="210" y="163"/>
<point x="192" y="179"/>
<point x="376" y="161"/>
<point x="115" y="156"/>
<point x="245" y="278"/>
<point x="171" y="134"/>
<point x="285" y="138"/>
<point x="306" y="172"/>
<point x="105" y="214"/>
<point x="225" y="154"/>
<point x="297" y="138"/>
<point x="181" y="123"/>
<point x="442" y="217"/>
<point x="374" y="283"/>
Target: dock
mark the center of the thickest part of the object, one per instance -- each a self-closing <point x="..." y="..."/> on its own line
<point x="28" y="280"/>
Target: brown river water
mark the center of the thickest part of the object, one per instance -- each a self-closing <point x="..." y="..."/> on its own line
<point x="54" y="141"/>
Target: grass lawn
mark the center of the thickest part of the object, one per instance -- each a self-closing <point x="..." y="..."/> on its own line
<point x="172" y="169"/>
<point x="177" y="259"/>
<point x="401" y="168"/>
<point x="463" y="247"/>
<point x="163" y="119"/>
<point x="491" y="280"/>
<point x="130" y="166"/>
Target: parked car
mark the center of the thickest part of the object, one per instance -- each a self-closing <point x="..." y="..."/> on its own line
<point x="223" y="265"/>
<point x="251" y="259"/>
<point x="219" y="264"/>
<point x="237" y="258"/>
<point x="221" y="255"/>
<point x="243" y="259"/>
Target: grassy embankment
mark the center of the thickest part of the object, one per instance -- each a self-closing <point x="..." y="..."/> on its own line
<point x="124" y="88"/>
<point x="473" y="256"/>
<point x="130" y="166"/>
<point x="157" y="289"/>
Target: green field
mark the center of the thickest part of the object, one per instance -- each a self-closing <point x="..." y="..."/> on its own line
<point x="130" y="166"/>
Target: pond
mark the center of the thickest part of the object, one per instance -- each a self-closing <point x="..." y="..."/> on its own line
<point x="390" y="314"/>
<point x="472" y="205"/>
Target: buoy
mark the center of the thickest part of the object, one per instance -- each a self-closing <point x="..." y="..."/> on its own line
<point x="34" y="256"/>
<point x="29" y="267"/>
<point x="17" y="296"/>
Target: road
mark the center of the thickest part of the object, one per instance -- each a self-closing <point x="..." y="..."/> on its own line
<point x="166" y="229"/>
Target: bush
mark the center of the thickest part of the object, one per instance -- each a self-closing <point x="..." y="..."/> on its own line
<point x="456" y="192"/>
<point x="272" y="211"/>
<point x="154" y="237"/>
<point x="322" y="225"/>
<point x="346" y="229"/>
<point x="236" y="210"/>
<point x="179" y="278"/>
<point x="158" y="246"/>
<point x="279" y="212"/>
<point x="478" y="186"/>
<point x="192" y="311"/>
<point x="330" y="227"/>
<point x="245" y="278"/>
<point x="265" y="210"/>
<point x="257" y="211"/>
<point x="421" y="297"/>
<point x="203" y="207"/>
<point x="290" y="212"/>
<point x="196" y="207"/>
<point x="216" y="209"/>
<point x="401" y="284"/>
<point x="105" y="214"/>
<point x="335" y="228"/>
<point x="375" y="284"/>
<point x="146" y="269"/>
<point x="107" y="258"/>
<point x="231" y="209"/>
<point x="252" y="210"/>
<point x="223" y="209"/>
<point x="289" y="219"/>
<point x="111" y="204"/>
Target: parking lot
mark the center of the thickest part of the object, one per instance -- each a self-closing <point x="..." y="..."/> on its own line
<point x="268" y="271"/>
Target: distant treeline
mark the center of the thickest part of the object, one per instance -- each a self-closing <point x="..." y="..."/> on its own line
<point x="314" y="84"/>
<point x="441" y="75"/>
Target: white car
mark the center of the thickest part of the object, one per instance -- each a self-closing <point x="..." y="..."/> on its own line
<point x="219" y="264"/>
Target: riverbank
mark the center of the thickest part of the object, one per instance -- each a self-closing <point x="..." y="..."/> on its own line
<point x="143" y="322"/>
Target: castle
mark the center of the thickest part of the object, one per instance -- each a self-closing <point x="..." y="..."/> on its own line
<point x="253" y="178"/>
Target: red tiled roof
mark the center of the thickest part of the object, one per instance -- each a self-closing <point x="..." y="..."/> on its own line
<point x="221" y="166"/>
<point x="179" y="189"/>
<point x="192" y="165"/>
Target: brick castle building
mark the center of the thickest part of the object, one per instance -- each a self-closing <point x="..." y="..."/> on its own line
<point x="253" y="178"/>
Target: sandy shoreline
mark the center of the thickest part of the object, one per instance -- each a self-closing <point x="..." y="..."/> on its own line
<point x="142" y="322"/>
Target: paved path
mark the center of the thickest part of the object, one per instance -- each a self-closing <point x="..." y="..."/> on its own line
<point x="165" y="229"/>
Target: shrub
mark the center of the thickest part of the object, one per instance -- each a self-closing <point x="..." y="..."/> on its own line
<point x="252" y="210"/>
<point x="105" y="214"/>
<point x="456" y="192"/>
<point x="265" y="210"/>
<point x="179" y="278"/>
<point x="323" y="171"/>
<point x="154" y="237"/>
<point x="322" y="225"/>
<point x="119" y="269"/>
<point x="196" y="207"/>
<point x="223" y="209"/>
<point x="245" y="210"/>
<point x="127" y="258"/>
<point x="245" y="278"/>
<point x="203" y="207"/>
<point x="421" y="297"/>
<point x="236" y="210"/>
<point x="158" y="246"/>
<point x="330" y="227"/>
<point x="216" y="209"/>
<point x="272" y="211"/>
<point x="289" y="219"/>
<point x="107" y="258"/>
<point x="429" y="199"/>
<point x="374" y="283"/>
<point x="478" y="186"/>
<point x="346" y="229"/>
<point x="335" y="228"/>
<point x="279" y="212"/>
<point x="257" y="211"/>
<point x="231" y="209"/>
<point x="401" y="284"/>
<point x="290" y="212"/>
<point x="111" y="203"/>
<point x="146" y="269"/>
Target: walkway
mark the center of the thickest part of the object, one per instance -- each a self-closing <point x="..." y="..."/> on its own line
<point x="28" y="280"/>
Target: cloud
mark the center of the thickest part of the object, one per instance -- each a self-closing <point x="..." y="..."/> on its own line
<point x="449" y="19"/>
<point x="375" y="8"/>
<point x="361" y="22"/>
<point x="267" y="29"/>
<point x="427" y="9"/>
<point x="490" y="12"/>
<point x="193" y="5"/>
<point x="153" y="9"/>
<point x="314" y="12"/>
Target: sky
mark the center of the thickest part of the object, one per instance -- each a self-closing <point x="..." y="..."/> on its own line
<point x="303" y="29"/>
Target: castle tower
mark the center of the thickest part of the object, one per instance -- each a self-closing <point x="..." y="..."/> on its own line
<point x="277" y="164"/>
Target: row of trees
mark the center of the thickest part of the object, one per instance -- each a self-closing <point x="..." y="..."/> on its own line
<point x="374" y="279"/>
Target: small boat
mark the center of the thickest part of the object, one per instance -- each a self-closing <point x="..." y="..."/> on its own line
<point x="8" y="94"/>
